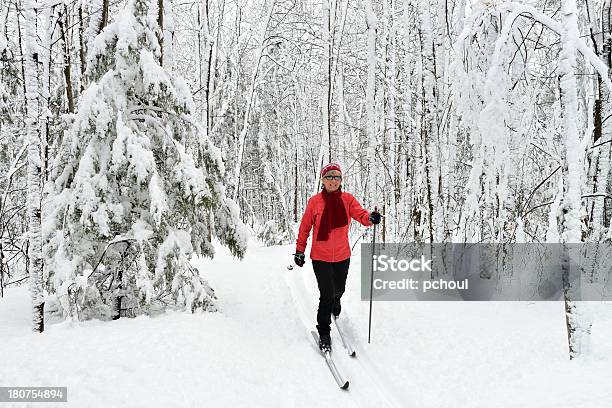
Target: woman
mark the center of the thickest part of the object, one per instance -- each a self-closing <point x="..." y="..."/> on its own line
<point x="328" y="212"/>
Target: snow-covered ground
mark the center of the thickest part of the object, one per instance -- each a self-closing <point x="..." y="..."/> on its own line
<point x="257" y="351"/>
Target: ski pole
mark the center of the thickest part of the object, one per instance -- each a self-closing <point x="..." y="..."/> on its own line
<point x="371" y="281"/>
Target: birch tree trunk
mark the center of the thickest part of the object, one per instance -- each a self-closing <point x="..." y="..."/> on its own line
<point x="205" y="58"/>
<point x="63" y="26"/>
<point x="160" y="23"/>
<point x="577" y="320"/>
<point x="31" y="80"/>
<point x="372" y="22"/>
<point x="429" y="111"/>
<point x="82" y="58"/>
<point x="327" y="44"/>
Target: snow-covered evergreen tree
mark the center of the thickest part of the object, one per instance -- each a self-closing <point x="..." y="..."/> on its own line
<point x="136" y="184"/>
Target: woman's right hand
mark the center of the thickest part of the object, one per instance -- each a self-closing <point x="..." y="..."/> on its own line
<point x="298" y="258"/>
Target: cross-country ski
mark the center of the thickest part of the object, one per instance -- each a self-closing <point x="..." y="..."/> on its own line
<point x="345" y="340"/>
<point x="344" y="384"/>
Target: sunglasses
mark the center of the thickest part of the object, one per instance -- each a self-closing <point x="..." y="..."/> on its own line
<point x="333" y="178"/>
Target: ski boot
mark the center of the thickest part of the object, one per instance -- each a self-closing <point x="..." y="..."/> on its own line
<point x="336" y="308"/>
<point x="325" y="343"/>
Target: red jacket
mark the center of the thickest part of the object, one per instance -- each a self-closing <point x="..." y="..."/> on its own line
<point x="337" y="247"/>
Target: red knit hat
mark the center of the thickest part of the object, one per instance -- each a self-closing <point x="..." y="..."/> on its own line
<point x="330" y="167"/>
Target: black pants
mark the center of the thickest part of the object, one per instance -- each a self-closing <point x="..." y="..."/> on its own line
<point x="331" y="278"/>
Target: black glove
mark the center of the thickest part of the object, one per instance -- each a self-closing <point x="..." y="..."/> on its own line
<point x="298" y="258"/>
<point x="374" y="217"/>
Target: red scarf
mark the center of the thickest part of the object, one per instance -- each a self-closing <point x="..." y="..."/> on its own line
<point x="334" y="214"/>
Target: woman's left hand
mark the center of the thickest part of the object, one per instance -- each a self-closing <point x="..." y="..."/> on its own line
<point x="374" y="217"/>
